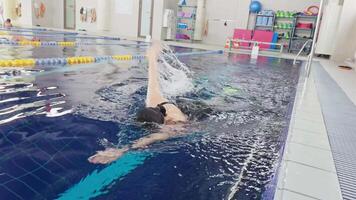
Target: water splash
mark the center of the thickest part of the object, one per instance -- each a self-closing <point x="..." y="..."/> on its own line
<point x="175" y="76"/>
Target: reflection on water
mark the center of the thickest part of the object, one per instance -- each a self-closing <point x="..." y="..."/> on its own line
<point x="51" y="123"/>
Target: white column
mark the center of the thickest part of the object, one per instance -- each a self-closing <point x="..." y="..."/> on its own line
<point x="200" y="20"/>
<point x="104" y="15"/>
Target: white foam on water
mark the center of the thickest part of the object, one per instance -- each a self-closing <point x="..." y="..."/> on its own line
<point x="175" y="76"/>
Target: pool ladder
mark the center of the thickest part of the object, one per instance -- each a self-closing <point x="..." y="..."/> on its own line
<point x="301" y="50"/>
<point x="309" y="58"/>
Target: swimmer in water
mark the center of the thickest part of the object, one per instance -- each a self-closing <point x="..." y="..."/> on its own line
<point x="158" y="110"/>
<point x="7" y="23"/>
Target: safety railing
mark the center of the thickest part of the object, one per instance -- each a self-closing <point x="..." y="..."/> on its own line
<point x="252" y="43"/>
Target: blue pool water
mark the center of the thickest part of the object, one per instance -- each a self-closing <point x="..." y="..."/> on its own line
<point x="230" y="153"/>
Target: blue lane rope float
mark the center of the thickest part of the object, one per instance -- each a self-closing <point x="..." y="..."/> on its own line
<point x="38" y="31"/>
<point x="22" y="28"/>
<point x="84" y="59"/>
<point x="199" y="53"/>
<point x="58" y="36"/>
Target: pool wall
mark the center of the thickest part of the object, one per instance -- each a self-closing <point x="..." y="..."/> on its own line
<point x="271" y="188"/>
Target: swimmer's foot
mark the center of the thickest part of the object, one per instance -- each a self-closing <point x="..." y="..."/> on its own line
<point x="108" y="156"/>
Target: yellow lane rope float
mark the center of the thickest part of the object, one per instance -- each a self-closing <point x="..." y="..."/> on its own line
<point x="67" y="61"/>
<point x="44" y="44"/>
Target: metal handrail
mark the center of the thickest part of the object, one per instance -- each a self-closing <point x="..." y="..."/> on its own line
<point x="301" y="50"/>
<point x="254" y="42"/>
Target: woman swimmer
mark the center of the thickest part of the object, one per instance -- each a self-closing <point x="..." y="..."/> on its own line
<point x="158" y="110"/>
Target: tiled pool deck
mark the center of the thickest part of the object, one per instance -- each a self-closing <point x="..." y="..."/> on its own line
<point x="308" y="169"/>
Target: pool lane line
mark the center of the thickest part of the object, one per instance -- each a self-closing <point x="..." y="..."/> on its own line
<point x="85" y="59"/>
<point x="65" y="61"/>
<point x="58" y="43"/>
<point x="22" y="28"/>
<point x="97" y="182"/>
<point x="194" y="53"/>
<point x="37" y="31"/>
<point x="59" y="36"/>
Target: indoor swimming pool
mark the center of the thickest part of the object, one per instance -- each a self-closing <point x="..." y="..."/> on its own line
<point x="53" y="118"/>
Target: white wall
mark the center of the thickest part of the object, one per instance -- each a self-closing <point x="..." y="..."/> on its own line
<point x="345" y="46"/>
<point x="54" y="15"/>
<point x="288" y="5"/>
<point x="236" y="10"/>
<point x="125" y="24"/>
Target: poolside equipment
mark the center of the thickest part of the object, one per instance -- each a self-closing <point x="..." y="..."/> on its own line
<point x="284" y="14"/>
<point x="263" y="36"/>
<point x="255" y="7"/>
<point x="18" y="9"/>
<point x="182" y="2"/>
<point x="312" y="10"/>
<point x="265" y="19"/>
<point x="243" y="34"/>
<point x="304" y="25"/>
<point x="93" y="15"/>
<point x="252" y="43"/>
<point x="40" y="9"/>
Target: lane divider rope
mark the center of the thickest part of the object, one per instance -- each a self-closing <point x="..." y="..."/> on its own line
<point x="66" y="61"/>
<point x="38" y="31"/>
<point x="85" y="59"/>
<point x="58" y="43"/>
<point x="59" y="36"/>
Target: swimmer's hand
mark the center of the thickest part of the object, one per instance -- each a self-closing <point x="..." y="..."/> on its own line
<point x="107" y="156"/>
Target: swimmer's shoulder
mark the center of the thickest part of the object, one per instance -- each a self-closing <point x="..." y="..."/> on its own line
<point x="174" y="114"/>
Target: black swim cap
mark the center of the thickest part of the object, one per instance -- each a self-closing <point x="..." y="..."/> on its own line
<point x="151" y="115"/>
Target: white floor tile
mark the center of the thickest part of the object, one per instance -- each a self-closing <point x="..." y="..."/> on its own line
<point x="289" y="195"/>
<point x="310" y="139"/>
<point x="312" y="182"/>
<point x="310" y="156"/>
<point x="309" y="116"/>
<point x="312" y="126"/>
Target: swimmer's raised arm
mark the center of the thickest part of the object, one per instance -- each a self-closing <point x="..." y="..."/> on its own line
<point x="154" y="94"/>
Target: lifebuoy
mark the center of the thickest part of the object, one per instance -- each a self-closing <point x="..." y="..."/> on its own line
<point x="18" y="9"/>
<point x="93" y="15"/>
<point x="42" y="10"/>
<point x="312" y="10"/>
